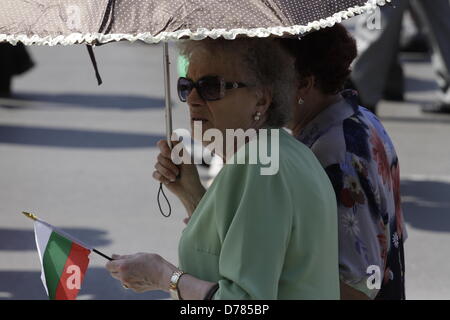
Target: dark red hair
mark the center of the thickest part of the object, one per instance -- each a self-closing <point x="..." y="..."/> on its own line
<point x="325" y="54"/>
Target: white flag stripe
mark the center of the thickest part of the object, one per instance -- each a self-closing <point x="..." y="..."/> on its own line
<point x="68" y="236"/>
<point x="42" y="235"/>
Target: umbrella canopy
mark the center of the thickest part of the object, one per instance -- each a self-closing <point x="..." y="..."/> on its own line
<point x="51" y="22"/>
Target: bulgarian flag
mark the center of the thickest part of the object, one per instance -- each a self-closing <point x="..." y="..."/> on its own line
<point x="64" y="261"/>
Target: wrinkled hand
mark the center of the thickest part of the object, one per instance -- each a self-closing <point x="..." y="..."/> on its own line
<point x="140" y="272"/>
<point x="182" y="180"/>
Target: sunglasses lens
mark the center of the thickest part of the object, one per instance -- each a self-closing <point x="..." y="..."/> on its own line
<point x="184" y="88"/>
<point x="210" y="88"/>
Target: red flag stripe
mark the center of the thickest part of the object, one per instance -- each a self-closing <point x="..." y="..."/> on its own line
<point x="73" y="273"/>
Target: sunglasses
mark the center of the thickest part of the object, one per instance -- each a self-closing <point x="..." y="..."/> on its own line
<point x="210" y="88"/>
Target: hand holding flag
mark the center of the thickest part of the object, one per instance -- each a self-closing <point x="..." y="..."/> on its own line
<point x="141" y="271"/>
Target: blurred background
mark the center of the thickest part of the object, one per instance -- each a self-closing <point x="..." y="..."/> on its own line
<point x="81" y="157"/>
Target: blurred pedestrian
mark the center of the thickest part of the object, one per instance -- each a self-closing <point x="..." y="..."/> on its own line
<point x="378" y="50"/>
<point x="14" y="60"/>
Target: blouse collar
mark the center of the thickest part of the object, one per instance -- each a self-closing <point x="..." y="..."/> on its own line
<point x="324" y="121"/>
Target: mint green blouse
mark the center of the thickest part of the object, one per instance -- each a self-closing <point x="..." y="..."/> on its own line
<point x="266" y="236"/>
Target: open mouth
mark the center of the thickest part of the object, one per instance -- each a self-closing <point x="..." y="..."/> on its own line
<point x="199" y="119"/>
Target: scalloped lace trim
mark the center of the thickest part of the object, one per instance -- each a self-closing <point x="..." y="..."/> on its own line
<point x="200" y="34"/>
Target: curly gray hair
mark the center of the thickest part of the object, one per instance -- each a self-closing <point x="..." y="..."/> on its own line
<point x="264" y="63"/>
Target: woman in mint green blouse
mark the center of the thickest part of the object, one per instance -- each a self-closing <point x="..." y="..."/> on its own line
<point x="253" y="234"/>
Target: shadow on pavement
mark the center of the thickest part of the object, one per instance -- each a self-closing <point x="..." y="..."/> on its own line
<point x="23" y="240"/>
<point x="93" y="101"/>
<point x="70" y="138"/>
<point x="418" y="85"/>
<point x="98" y="284"/>
<point x="426" y="204"/>
<point x="441" y="119"/>
<point x="415" y="58"/>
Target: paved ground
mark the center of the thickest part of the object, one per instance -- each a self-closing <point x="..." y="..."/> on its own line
<point x="81" y="157"/>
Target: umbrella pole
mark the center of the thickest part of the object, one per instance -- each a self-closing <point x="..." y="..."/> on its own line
<point x="168" y="108"/>
<point x="168" y="111"/>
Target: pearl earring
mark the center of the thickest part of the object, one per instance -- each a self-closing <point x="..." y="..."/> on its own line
<point x="257" y="116"/>
<point x="301" y="101"/>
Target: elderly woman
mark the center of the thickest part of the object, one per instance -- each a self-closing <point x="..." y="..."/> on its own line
<point x="251" y="236"/>
<point x="360" y="160"/>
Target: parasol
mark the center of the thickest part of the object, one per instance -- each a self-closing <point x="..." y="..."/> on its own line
<point x="94" y="22"/>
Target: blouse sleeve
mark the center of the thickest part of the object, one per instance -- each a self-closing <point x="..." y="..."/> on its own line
<point x="361" y="236"/>
<point x="254" y="219"/>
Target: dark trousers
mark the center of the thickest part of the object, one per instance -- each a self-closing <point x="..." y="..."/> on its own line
<point x="14" y="60"/>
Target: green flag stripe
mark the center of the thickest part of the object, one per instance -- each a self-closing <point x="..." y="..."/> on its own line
<point x="55" y="257"/>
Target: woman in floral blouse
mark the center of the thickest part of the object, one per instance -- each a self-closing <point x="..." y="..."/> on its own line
<point x="360" y="160"/>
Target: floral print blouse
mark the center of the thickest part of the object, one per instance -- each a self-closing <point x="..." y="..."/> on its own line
<point x="361" y="162"/>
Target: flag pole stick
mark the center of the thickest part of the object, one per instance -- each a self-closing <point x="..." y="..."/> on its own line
<point x="35" y="218"/>
<point x="102" y="254"/>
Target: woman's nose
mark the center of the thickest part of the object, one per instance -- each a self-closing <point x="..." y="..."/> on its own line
<point x="194" y="99"/>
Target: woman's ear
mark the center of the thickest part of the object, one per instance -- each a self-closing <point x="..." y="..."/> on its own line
<point x="305" y="85"/>
<point x="264" y="99"/>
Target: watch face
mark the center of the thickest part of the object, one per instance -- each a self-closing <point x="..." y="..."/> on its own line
<point x="174" y="279"/>
<point x="173" y="287"/>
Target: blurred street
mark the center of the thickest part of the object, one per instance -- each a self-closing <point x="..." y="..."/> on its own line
<point x="81" y="157"/>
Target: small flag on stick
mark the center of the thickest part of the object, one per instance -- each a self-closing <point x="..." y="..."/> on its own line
<point x="64" y="260"/>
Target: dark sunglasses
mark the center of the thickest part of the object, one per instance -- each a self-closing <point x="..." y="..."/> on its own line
<point x="210" y="88"/>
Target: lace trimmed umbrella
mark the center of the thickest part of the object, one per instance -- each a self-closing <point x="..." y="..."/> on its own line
<point x="93" y="22"/>
<point x="51" y="22"/>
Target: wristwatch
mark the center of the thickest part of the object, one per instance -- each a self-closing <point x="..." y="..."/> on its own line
<point x="173" y="287"/>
